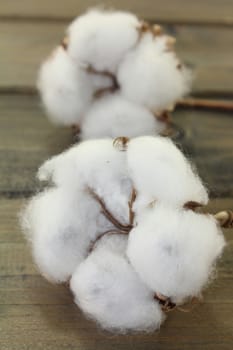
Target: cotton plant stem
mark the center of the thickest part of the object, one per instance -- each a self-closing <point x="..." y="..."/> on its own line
<point x="109" y="232"/>
<point x="206" y="104"/>
<point x="108" y="214"/>
<point x="130" y="204"/>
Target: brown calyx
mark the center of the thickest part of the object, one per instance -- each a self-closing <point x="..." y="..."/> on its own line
<point x="65" y="43"/>
<point x="121" y="143"/>
<point x="110" y="89"/>
<point x="165" y="302"/>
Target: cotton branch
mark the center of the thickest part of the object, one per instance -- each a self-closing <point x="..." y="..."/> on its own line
<point x="206" y="104"/>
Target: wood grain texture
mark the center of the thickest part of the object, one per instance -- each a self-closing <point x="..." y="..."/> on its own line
<point x="23" y="47"/>
<point x="35" y="314"/>
<point x="27" y="139"/>
<point x="208" y="11"/>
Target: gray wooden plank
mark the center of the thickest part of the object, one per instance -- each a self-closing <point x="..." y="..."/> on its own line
<point x="198" y="11"/>
<point x="209" y="51"/>
<point x="27" y="139"/>
<point x="35" y="314"/>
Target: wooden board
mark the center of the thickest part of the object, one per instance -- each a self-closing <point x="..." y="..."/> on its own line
<point x="27" y="139"/>
<point x="24" y="45"/>
<point x="35" y="314"/>
<point x="208" y="11"/>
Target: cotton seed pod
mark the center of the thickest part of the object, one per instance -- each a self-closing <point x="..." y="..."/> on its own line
<point x="109" y="291"/>
<point x="174" y="251"/>
<point x="102" y="38"/>
<point x="149" y="75"/>
<point x="113" y="115"/>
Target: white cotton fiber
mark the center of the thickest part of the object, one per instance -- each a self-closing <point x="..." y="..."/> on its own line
<point x="114" y="116"/>
<point x="102" y="38"/>
<point x="94" y="164"/>
<point x="174" y="251"/>
<point x="109" y="291"/>
<point x="160" y="172"/>
<point x="65" y="89"/>
<point x="60" y="226"/>
<point x="149" y="74"/>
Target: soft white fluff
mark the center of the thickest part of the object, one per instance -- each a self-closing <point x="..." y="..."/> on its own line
<point x="170" y="251"/>
<point x="60" y="226"/>
<point x="97" y="165"/>
<point x="149" y="74"/>
<point x="101" y="38"/>
<point x="113" y="115"/>
<point x="66" y="90"/>
<point x="108" y="290"/>
<point x="174" y="251"/>
<point x="160" y="172"/>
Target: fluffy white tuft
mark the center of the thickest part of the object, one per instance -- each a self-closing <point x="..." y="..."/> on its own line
<point x="97" y="165"/>
<point x="102" y="38"/>
<point x="174" y="251"/>
<point x="60" y="226"/>
<point x="108" y="290"/>
<point x="160" y="172"/>
<point x="113" y="116"/>
<point x="65" y="89"/>
<point x="149" y="75"/>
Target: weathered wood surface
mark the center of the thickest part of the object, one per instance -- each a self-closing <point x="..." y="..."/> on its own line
<point x="27" y="139"/>
<point x="24" y="45"/>
<point x="208" y="11"/>
<point x="37" y="315"/>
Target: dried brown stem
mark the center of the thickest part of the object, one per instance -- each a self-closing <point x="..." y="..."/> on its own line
<point x="206" y="104"/>
<point x="121" y="143"/>
<point x="109" y="232"/>
<point x="130" y="204"/>
<point x="225" y="218"/>
<point x="111" y="76"/>
<point x="108" y="214"/>
<point x="191" y="205"/>
<point x="165" y="302"/>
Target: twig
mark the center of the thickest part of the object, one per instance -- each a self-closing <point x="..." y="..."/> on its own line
<point x="108" y="214"/>
<point x="165" y="302"/>
<point x="130" y="204"/>
<point x="98" y="238"/>
<point x="111" y="76"/>
<point x="206" y="104"/>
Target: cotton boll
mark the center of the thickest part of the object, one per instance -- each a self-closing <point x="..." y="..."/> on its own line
<point x="101" y="38"/>
<point x="65" y="89"/>
<point x="113" y="115"/>
<point x="97" y="165"/>
<point x="150" y="74"/>
<point x="160" y="172"/>
<point x="102" y="168"/>
<point x="109" y="291"/>
<point x="60" y="227"/>
<point x="174" y="251"/>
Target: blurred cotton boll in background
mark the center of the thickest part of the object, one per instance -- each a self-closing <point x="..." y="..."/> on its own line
<point x="113" y="75"/>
